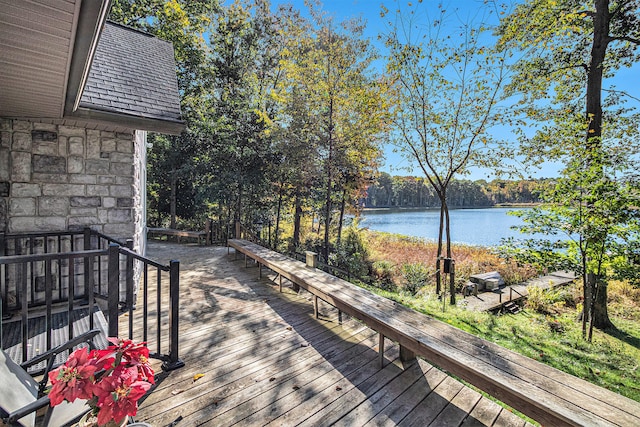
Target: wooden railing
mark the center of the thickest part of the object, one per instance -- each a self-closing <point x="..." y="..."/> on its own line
<point x="246" y="233"/>
<point x="44" y="275"/>
<point x="541" y="392"/>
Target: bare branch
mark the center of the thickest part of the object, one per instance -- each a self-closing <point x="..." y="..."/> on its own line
<point x="626" y="39"/>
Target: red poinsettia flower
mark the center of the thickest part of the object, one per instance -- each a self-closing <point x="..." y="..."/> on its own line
<point x="118" y="395"/>
<point x="74" y="379"/>
<point x="111" y="380"/>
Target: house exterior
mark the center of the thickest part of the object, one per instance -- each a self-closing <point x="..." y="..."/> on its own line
<point x="77" y="96"/>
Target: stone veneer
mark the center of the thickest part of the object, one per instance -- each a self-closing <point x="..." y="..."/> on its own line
<point x="55" y="177"/>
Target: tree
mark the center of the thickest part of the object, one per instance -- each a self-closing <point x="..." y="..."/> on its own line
<point x="447" y="87"/>
<point x="327" y="83"/>
<point x="570" y="48"/>
<point x="172" y="168"/>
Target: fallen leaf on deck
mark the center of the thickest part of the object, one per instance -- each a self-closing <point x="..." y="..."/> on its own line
<point x="178" y="391"/>
<point x="196" y="377"/>
<point x="338" y="388"/>
<point x="295" y="387"/>
<point x="289" y="328"/>
<point x="272" y="379"/>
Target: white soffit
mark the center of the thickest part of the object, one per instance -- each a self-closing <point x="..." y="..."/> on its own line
<point x="36" y="39"/>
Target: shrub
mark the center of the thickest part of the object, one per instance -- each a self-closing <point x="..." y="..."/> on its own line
<point x="382" y="275"/>
<point x="547" y="300"/>
<point x="415" y="276"/>
<point x="351" y="254"/>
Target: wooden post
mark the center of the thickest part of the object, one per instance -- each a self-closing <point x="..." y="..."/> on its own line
<point x="312" y="259"/>
<point x="315" y="306"/>
<point x="113" y="288"/>
<point x="381" y="349"/>
<point x="406" y="355"/>
<point x="207" y="230"/>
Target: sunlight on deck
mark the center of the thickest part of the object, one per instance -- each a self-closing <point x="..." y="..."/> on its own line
<point x="255" y="357"/>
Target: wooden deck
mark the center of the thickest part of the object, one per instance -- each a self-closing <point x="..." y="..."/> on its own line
<point x="255" y="356"/>
<point x="493" y="300"/>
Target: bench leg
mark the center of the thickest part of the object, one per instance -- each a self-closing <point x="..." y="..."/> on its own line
<point x="339" y="317"/>
<point x="296" y="287"/>
<point x="381" y="350"/>
<point x="280" y="277"/>
<point x="245" y="260"/>
<point x="260" y="270"/>
<point x="315" y="306"/>
<point x="406" y="355"/>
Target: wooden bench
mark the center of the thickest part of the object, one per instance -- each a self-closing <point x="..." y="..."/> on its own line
<point x="543" y="393"/>
<point x="201" y="236"/>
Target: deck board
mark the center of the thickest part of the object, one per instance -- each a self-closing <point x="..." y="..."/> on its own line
<point x="265" y="359"/>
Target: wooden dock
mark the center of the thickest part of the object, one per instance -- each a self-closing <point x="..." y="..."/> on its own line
<point x="255" y="356"/>
<point x="494" y="300"/>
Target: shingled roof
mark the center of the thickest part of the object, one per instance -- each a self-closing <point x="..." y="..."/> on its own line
<point x="133" y="74"/>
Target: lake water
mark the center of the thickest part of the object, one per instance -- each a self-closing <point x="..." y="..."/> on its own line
<point x="483" y="227"/>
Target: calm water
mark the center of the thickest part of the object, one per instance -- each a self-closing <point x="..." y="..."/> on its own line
<point x="471" y="226"/>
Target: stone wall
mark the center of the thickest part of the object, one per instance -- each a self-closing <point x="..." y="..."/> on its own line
<point x="55" y="178"/>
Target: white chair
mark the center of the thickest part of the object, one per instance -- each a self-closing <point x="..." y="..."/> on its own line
<point x="21" y="395"/>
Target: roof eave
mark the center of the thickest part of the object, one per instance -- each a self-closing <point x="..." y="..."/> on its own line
<point x="92" y="17"/>
<point x="164" y="125"/>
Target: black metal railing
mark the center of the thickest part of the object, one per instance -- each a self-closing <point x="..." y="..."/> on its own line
<point x="51" y="276"/>
<point x="139" y="324"/>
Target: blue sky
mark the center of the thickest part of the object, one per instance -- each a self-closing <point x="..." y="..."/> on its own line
<point x="369" y="10"/>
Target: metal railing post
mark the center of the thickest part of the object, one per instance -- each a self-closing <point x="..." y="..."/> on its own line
<point x="174" y="301"/>
<point x="129" y="284"/>
<point x="113" y="288"/>
<point x="86" y="247"/>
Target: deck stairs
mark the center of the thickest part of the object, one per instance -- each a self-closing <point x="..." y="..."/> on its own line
<point x="511" y="307"/>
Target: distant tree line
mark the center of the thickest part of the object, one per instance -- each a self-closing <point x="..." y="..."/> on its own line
<point x="410" y="191"/>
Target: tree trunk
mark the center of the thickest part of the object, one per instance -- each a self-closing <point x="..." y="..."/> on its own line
<point x="297" y="218"/>
<point x="439" y="253"/>
<point x="172" y="198"/>
<point x="278" y="211"/>
<point x="599" y="313"/>
<point x="342" y="207"/>
<point x="601" y="38"/>
<point x="452" y="285"/>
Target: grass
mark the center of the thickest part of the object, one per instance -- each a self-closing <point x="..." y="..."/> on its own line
<point x="550" y="333"/>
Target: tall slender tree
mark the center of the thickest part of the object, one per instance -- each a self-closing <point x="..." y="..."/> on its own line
<point x="447" y="87"/>
<point x="570" y="47"/>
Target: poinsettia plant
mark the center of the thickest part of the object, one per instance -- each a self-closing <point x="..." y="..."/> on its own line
<point x="111" y="380"/>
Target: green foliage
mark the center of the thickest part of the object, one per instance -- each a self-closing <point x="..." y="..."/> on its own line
<point x="415" y="276"/>
<point x="382" y="274"/>
<point x="610" y="360"/>
<point x="351" y="254"/>
<point x="571" y="48"/>
<point x="548" y="301"/>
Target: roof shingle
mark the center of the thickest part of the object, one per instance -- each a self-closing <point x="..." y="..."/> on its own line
<point x="133" y="73"/>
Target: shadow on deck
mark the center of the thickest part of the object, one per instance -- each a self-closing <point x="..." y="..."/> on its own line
<point x="255" y="356"/>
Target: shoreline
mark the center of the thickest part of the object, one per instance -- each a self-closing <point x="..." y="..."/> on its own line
<point x="433" y="208"/>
